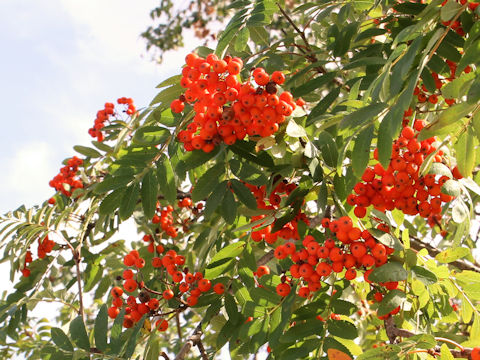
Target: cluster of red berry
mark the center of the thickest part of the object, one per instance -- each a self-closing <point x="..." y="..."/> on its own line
<point x="422" y="92"/>
<point x="45" y="245"/>
<point x="345" y="248"/>
<point x="400" y="186"/>
<point x="272" y="202"/>
<point x="228" y="110"/>
<point x="181" y="283"/>
<point x="66" y="180"/>
<point x="104" y="114"/>
<point x="28" y="259"/>
<point x="166" y="220"/>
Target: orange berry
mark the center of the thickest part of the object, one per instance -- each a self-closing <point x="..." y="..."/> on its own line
<point x="283" y="289"/>
<point x="113" y="312"/>
<point x="130" y="285"/>
<point x="168" y="294"/>
<point x="219" y="288"/>
<point x="162" y="325"/>
<point x="117" y="291"/>
<point x="262" y="270"/>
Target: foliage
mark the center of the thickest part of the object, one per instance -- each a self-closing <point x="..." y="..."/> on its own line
<point x="346" y="232"/>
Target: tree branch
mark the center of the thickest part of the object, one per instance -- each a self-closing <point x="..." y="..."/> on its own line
<point x="418" y="245"/>
<point x="393" y="332"/>
<point x="193" y="340"/>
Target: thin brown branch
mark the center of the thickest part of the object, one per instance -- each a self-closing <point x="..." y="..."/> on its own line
<point x="193" y="340"/>
<point x="265" y="258"/>
<point x="393" y="333"/>
<point x="179" y="327"/>
<point x="418" y="245"/>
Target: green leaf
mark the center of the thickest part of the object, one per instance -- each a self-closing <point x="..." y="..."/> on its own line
<point x="391" y="271"/>
<point x="295" y="130"/>
<point x="362" y="115"/>
<point x="459" y="211"/>
<point x="451" y="187"/>
<point x="314" y="84"/>
<point x="167" y="95"/>
<point x="302" y="331"/>
<point x="424" y="275"/>
<point x="149" y="193"/>
<point x="151" y="135"/>
<point x="449" y="10"/>
<point x="112" y="201"/>
<point x="215" y="199"/>
<point x="78" y="333"/>
<point x="229" y="207"/>
<point x="61" y="339"/>
<point x="229" y="251"/>
<point x="242" y="39"/>
<point x="445" y="353"/>
<point x="448" y="121"/>
<point x="328" y="148"/>
<point x="343" y="307"/>
<point x="166" y="179"/>
<point x="387" y="239"/>
<point x="451" y="255"/>
<point x="129" y="201"/>
<point x="243" y="194"/>
<point x="455" y="88"/>
<point x="112" y="183"/>
<point x="100" y="329"/>
<point x="361" y="150"/>
<point x="116" y="332"/>
<point x="322" y="106"/>
<point x="391" y="301"/>
<point x="465" y="152"/>
<point x="232" y="310"/>
<point x="89" y="152"/>
<point x="343" y="329"/>
<point x="471" y="56"/>
<point x="132" y="340"/>
<point x="207" y="182"/>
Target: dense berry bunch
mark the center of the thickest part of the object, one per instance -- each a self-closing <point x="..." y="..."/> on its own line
<point x="165" y="218"/>
<point x="272" y="202"/>
<point x="226" y="109"/>
<point x="66" y="181"/>
<point x="400" y="186"/>
<point x="181" y="285"/>
<point x="104" y="115"/>
<point x="345" y="248"/>
<point x="45" y="245"/>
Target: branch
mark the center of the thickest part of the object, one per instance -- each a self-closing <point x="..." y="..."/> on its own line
<point x="418" y="245"/>
<point x="193" y="340"/>
<point x="393" y="332"/>
<point x="265" y="258"/>
<point x="311" y="54"/>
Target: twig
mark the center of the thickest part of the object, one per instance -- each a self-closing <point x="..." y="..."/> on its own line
<point x="179" y="328"/>
<point x="265" y="258"/>
<point x="193" y="340"/>
<point x="418" y="245"/>
<point x="393" y="332"/>
<point x="311" y="54"/>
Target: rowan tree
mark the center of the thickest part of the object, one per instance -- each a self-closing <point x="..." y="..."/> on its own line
<point x="308" y="189"/>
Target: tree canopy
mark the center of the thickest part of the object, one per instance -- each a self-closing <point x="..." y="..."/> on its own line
<point x="308" y="189"/>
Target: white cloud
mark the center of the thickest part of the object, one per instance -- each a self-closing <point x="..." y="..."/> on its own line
<point x="27" y="174"/>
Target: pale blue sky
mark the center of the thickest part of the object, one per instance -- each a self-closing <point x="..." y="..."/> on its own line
<point x="61" y="61"/>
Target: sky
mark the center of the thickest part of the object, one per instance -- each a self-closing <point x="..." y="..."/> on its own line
<point x="61" y="61"/>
